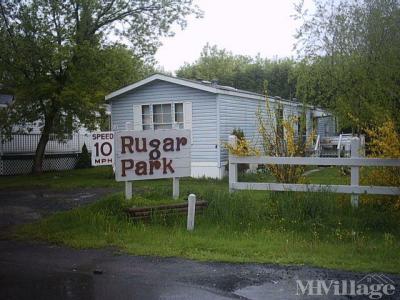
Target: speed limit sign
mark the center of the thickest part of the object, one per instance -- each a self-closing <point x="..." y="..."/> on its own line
<point x="102" y="148"/>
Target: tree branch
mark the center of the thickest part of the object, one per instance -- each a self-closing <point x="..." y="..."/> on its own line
<point x="11" y="35"/>
<point x="120" y="15"/>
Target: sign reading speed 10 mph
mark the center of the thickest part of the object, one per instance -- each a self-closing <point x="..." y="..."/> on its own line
<point x="102" y="148"/>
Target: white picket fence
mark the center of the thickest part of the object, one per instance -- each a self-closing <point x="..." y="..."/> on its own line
<point x="355" y="162"/>
<point x="27" y="143"/>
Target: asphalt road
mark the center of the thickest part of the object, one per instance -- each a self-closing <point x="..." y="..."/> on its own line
<point x="40" y="271"/>
<point x="31" y="270"/>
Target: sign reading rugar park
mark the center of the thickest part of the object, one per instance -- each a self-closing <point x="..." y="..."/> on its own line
<point x="141" y="155"/>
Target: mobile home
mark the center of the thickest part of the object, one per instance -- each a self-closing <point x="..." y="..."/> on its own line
<point x="209" y="110"/>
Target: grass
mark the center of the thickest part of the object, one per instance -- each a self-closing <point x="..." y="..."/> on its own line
<point x="329" y="175"/>
<point x="271" y="228"/>
<point x="103" y="177"/>
<point x="318" y="229"/>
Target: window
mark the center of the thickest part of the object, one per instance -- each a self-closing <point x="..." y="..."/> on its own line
<point x="162" y="116"/>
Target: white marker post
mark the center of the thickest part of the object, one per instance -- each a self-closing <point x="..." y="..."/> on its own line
<point x="355" y="171"/>
<point x="175" y="188"/>
<point x="191" y="211"/>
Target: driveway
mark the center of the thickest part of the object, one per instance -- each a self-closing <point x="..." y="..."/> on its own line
<point x="32" y="270"/>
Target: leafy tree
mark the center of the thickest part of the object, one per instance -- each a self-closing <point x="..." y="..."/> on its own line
<point x="281" y="78"/>
<point x="242" y="72"/>
<point x="59" y="59"/>
<point x="351" y="59"/>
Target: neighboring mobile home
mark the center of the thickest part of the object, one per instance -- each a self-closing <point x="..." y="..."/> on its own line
<point x="17" y="153"/>
<point x="5" y="100"/>
<point x="210" y="110"/>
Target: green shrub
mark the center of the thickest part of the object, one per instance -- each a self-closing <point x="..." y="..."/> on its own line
<point x="84" y="160"/>
<point x="238" y="132"/>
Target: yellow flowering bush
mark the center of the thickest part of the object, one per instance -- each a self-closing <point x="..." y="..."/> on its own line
<point x="279" y="139"/>
<point x="242" y="147"/>
<point x="384" y="142"/>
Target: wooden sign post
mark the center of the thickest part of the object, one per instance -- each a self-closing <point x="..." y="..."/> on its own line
<point x="128" y="184"/>
<point x="143" y="155"/>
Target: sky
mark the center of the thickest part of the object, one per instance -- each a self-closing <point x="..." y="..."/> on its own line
<point x="245" y="27"/>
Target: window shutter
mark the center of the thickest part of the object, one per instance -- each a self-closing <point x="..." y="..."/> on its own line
<point x="137" y="118"/>
<point x="187" y="118"/>
<point x="187" y="115"/>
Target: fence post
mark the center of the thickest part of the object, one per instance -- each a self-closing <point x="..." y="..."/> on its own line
<point x="355" y="171"/>
<point x="128" y="190"/>
<point x="233" y="174"/>
<point x="191" y="212"/>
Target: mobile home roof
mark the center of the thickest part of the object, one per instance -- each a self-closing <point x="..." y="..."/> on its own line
<point x="208" y="87"/>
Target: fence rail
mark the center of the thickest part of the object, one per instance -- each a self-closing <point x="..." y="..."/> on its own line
<point x="355" y="162"/>
<point x="27" y="144"/>
<point x="342" y="189"/>
<point x="315" y="161"/>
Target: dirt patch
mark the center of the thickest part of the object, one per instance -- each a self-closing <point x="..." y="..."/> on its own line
<point x="24" y="206"/>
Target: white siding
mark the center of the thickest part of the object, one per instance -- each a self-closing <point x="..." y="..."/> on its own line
<point x="239" y="112"/>
<point x="326" y="126"/>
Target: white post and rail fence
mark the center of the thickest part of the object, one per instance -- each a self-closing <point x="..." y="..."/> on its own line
<point x="355" y="162"/>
